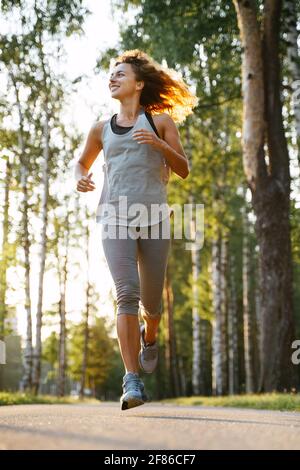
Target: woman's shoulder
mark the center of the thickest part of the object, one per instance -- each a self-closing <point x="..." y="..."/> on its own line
<point x="100" y="124"/>
<point x="162" y="122"/>
<point x="163" y="118"/>
<point x="98" y="127"/>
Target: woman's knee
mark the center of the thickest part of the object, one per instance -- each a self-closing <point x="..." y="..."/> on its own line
<point x="151" y="311"/>
<point x="128" y="296"/>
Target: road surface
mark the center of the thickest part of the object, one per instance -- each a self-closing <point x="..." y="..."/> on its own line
<point x="151" y="426"/>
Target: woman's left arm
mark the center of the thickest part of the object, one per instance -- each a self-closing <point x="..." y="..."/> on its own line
<point x="170" y="145"/>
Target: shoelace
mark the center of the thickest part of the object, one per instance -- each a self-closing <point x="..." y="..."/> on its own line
<point x="135" y="382"/>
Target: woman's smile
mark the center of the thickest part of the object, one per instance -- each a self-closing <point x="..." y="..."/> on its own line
<point x="114" y="87"/>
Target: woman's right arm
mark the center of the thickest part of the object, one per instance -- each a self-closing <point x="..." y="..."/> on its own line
<point x="93" y="147"/>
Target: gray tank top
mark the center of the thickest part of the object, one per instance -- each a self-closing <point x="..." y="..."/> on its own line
<point x="134" y="174"/>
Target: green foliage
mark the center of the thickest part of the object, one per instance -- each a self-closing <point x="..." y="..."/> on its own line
<point x="101" y="350"/>
<point x="159" y="25"/>
<point x="55" y="16"/>
<point x="111" y="388"/>
<point x="103" y="61"/>
<point x="50" y="350"/>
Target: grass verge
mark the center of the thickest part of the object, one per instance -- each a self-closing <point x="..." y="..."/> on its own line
<point x="267" y="401"/>
<point x="10" y="398"/>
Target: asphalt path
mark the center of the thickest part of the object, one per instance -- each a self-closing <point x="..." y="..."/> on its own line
<point x="153" y="426"/>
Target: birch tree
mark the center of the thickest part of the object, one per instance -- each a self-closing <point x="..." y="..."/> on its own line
<point x="171" y="336"/>
<point x="13" y="51"/>
<point x="86" y="330"/>
<point x="61" y="248"/>
<point x="197" y="374"/>
<point x="4" y="248"/>
<point x="247" y="313"/>
<point x="4" y="257"/>
<point x="233" y="352"/>
<point x="219" y="321"/>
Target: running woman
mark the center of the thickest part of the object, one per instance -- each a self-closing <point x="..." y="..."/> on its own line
<point x="140" y="150"/>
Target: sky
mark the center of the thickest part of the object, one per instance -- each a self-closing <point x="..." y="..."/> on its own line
<point x="92" y="98"/>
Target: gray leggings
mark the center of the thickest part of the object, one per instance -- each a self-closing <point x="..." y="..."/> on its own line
<point x="138" y="265"/>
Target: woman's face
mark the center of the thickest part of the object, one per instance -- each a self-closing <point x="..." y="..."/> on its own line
<point x="122" y="82"/>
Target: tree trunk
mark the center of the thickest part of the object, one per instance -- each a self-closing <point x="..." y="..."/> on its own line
<point x="219" y="338"/>
<point x="62" y="362"/>
<point x="205" y="357"/>
<point x="247" y="313"/>
<point x="4" y="250"/>
<point x="26" y="383"/>
<point x="182" y="377"/>
<point x="223" y="288"/>
<point x="198" y="333"/>
<point x="269" y="180"/>
<point x="86" y="321"/>
<point x="197" y="377"/>
<point x="171" y="338"/>
<point x="28" y="353"/>
<point x="45" y="182"/>
<point x="86" y="343"/>
<point x="61" y="383"/>
<point x="4" y="260"/>
<point x="233" y="356"/>
<point x="257" y="295"/>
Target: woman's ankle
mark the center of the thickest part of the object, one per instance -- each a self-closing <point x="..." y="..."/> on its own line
<point x="151" y="332"/>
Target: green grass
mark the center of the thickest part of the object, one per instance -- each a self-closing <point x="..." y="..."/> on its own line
<point x="9" y="398"/>
<point x="267" y="401"/>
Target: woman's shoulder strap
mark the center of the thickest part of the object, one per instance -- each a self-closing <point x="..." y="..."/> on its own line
<point x="150" y="119"/>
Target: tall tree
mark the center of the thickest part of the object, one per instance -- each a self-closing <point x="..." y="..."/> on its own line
<point x="266" y="165"/>
<point x="25" y="239"/>
<point x="45" y="208"/>
<point x="197" y="372"/>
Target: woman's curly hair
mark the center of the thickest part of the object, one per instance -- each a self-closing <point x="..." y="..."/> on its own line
<point x="164" y="90"/>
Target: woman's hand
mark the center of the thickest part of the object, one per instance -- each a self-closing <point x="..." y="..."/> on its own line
<point x="85" y="184"/>
<point x="143" y="136"/>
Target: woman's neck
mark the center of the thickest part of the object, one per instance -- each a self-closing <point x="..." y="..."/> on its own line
<point x="129" y="113"/>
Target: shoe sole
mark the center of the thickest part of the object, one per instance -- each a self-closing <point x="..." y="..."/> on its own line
<point x="131" y="403"/>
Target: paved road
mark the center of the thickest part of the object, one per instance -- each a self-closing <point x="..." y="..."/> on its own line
<point x="151" y="426"/>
